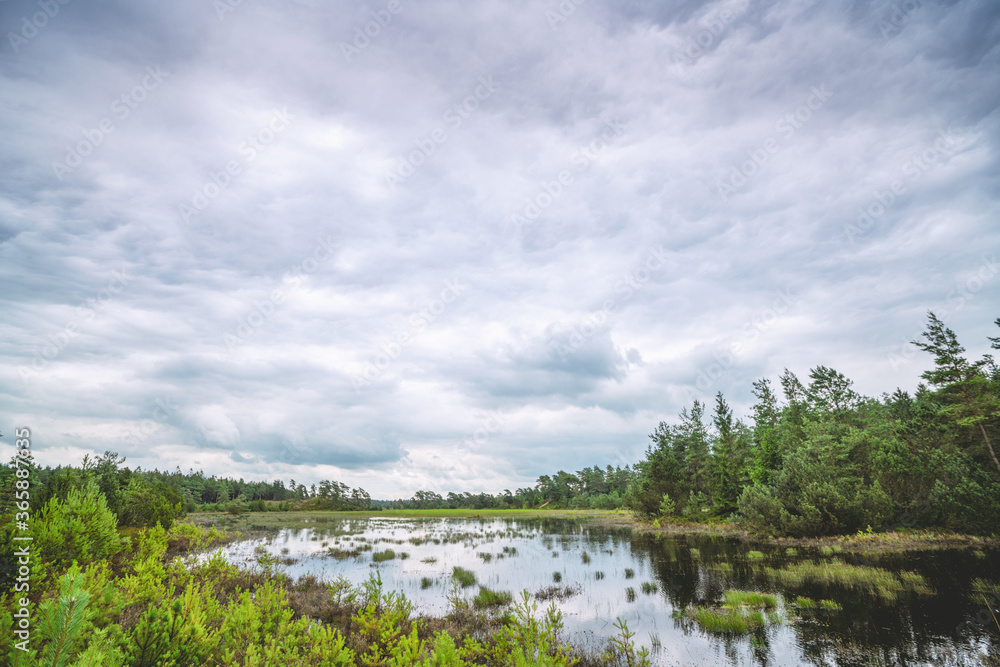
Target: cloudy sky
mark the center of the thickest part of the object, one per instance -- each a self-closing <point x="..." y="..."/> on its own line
<point x="427" y="245"/>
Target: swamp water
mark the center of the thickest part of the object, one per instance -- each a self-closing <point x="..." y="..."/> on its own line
<point x="676" y="593"/>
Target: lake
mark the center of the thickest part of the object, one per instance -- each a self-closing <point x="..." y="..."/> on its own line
<point x="819" y="606"/>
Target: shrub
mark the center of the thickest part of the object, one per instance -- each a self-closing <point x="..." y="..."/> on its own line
<point x="80" y="529"/>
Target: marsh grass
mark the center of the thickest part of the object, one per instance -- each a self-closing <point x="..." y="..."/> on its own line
<point x="741" y="612"/>
<point x="426" y="582"/>
<point x="695" y="553"/>
<point x="463" y="577"/>
<point x="726" y="620"/>
<point x="629" y="573"/>
<point x="556" y="593"/>
<point x="874" y="580"/>
<point x="382" y="556"/>
<point x="557" y="577"/>
<point x="755" y="555"/>
<point x="598" y="575"/>
<point x="585" y="557"/>
<point x="734" y="599"/>
<point x="649" y="587"/>
<point x="791" y="552"/>
<point x="630" y="594"/>
<point x="489" y="598"/>
<point x="983" y="587"/>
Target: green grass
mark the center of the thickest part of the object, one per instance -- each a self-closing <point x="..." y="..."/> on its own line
<point x="585" y="557"/>
<point x="630" y="594"/>
<point x="804" y="603"/>
<point x="826" y="551"/>
<point x="877" y="581"/>
<point x="465" y="578"/>
<point x="598" y="575"/>
<point x="695" y="553"/>
<point x="722" y="567"/>
<point x="984" y="587"/>
<point x="426" y="582"/>
<point x="755" y="555"/>
<point x="629" y="573"/>
<point x="557" y="577"/>
<point x="429" y="560"/>
<point x="829" y="605"/>
<point x="791" y="552"/>
<point x="488" y="598"/>
<point x="649" y="587"/>
<point x="749" y="599"/>
<point x="381" y="556"/>
<point x="487" y="557"/>
<point x="726" y="620"/>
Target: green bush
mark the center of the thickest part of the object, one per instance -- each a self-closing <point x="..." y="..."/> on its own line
<point x="80" y="529"/>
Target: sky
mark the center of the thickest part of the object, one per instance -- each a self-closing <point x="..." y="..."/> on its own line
<point x="428" y="245"/>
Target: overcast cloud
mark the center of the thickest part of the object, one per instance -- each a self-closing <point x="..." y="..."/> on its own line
<point x="428" y="245"/>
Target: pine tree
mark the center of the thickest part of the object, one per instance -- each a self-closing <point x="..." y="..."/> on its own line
<point x="969" y="397"/>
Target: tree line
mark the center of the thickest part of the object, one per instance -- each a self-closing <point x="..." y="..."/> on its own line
<point x="822" y="459"/>
<point x="817" y="459"/>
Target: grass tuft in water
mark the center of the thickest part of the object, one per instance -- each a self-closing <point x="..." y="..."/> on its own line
<point x="585" y="557"/>
<point x="695" y="553"/>
<point x="630" y="594"/>
<point x="557" y="577"/>
<point x="791" y="552"/>
<point x="426" y="582"/>
<point x="877" y="581"/>
<point x="726" y="620"/>
<point x="598" y="575"/>
<point x="648" y="587"/>
<point x="755" y="555"/>
<point x="488" y="598"/>
<point x="381" y="556"/>
<point x="465" y="578"/>
<point x="629" y="573"/>
<point x="736" y="599"/>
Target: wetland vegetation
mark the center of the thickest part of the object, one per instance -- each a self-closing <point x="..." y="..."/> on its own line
<point x="830" y="529"/>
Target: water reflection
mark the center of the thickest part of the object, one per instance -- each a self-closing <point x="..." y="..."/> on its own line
<point x="654" y="582"/>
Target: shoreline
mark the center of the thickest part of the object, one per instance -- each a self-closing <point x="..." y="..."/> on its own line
<point x="895" y="541"/>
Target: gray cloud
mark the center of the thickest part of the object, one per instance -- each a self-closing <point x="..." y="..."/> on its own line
<point x="261" y="271"/>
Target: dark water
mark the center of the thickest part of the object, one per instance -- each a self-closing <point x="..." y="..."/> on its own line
<point x="948" y="623"/>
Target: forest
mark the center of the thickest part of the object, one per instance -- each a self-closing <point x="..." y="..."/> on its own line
<point x="814" y="458"/>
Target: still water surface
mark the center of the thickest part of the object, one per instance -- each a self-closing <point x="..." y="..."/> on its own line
<point x="650" y="580"/>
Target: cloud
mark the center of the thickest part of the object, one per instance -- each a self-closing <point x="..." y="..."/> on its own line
<point x="205" y="237"/>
